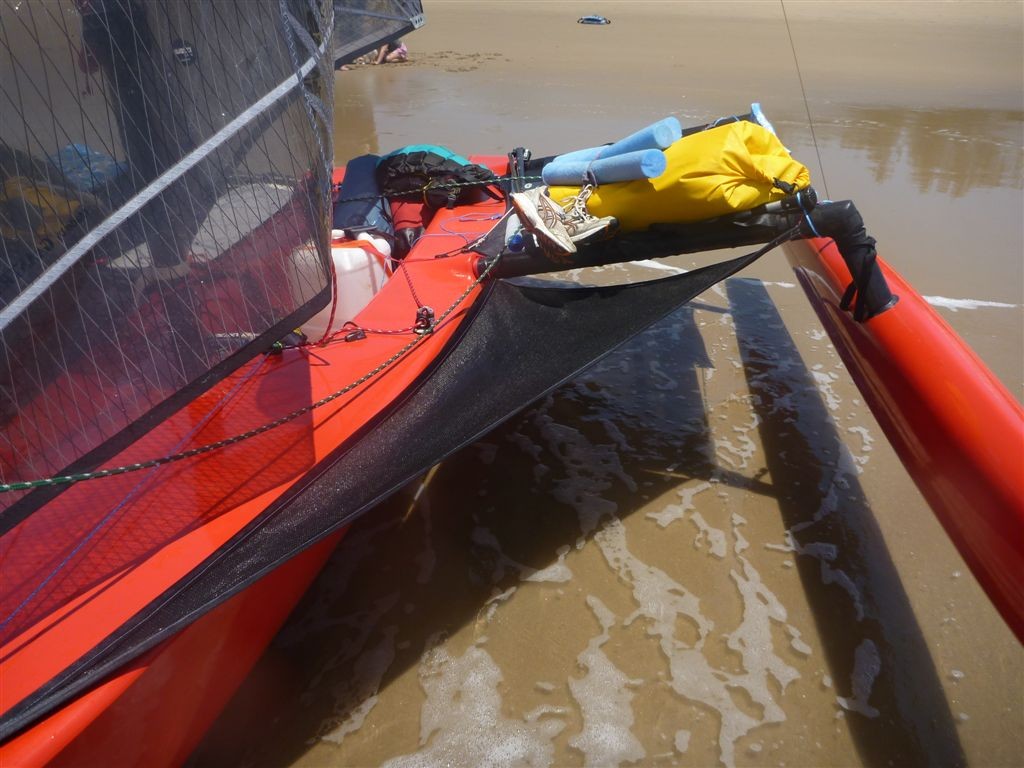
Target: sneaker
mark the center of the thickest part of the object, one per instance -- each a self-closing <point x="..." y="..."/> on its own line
<point x="590" y="230"/>
<point x="545" y="219"/>
<point x="582" y="226"/>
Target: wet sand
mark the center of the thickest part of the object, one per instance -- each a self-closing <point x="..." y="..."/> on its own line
<point x="702" y="551"/>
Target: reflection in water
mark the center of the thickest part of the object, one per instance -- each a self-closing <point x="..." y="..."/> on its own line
<point x="949" y="151"/>
<point x="355" y="132"/>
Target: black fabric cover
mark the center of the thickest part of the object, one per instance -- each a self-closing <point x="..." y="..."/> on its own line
<point x="360" y="205"/>
<point x="425" y="175"/>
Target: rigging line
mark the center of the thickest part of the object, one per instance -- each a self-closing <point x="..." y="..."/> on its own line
<point x="803" y="92"/>
<point x="101" y="523"/>
<point x="56" y="270"/>
<point x="226" y="442"/>
<point x="417" y="193"/>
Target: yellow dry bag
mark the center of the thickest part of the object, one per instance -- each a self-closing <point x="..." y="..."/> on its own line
<point x="32" y="210"/>
<point x="730" y="168"/>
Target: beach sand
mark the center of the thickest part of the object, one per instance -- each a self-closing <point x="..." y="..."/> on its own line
<point x="702" y="551"/>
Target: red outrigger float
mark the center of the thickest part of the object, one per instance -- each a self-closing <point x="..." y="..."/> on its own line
<point x="957" y="429"/>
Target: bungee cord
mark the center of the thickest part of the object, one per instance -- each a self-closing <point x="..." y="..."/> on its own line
<point x="267" y="427"/>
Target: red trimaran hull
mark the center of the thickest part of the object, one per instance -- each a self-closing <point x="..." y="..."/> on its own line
<point x="165" y="700"/>
<point x="959" y="432"/>
<point x="155" y="711"/>
<point x="957" y="429"/>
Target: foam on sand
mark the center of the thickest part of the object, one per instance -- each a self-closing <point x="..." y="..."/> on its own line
<point x="954" y="305"/>
<point x="462" y="723"/>
<point x="866" y="665"/>
<point x="605" y="702"/>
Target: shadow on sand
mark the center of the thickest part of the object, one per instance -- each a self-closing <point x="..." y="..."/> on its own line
<point x="416" y="569"/>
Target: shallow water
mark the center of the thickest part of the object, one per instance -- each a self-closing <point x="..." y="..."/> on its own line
<point x="701" y="551"/>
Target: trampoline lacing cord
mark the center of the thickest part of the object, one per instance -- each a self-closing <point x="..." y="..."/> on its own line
<point x="418" y="193"/>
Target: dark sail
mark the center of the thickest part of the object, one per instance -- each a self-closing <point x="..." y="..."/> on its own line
<point x="164" y="206"/>
<point x="360" y="26"/>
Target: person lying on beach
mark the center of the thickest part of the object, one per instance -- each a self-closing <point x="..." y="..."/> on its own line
<point x="392" y="52"/>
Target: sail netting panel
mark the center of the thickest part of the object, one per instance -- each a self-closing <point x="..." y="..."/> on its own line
<point x="360" y="26"/>
<point x="164" y="209"/>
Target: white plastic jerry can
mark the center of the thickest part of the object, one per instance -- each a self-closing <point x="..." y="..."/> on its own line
<point x="358" y="274"/>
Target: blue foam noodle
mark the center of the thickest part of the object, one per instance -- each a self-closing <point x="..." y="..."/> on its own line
<point x="645" y="164"/>
<point x="660" y="135"/>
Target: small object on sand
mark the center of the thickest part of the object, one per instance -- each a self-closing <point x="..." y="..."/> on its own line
<point x="593" y="20"/>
